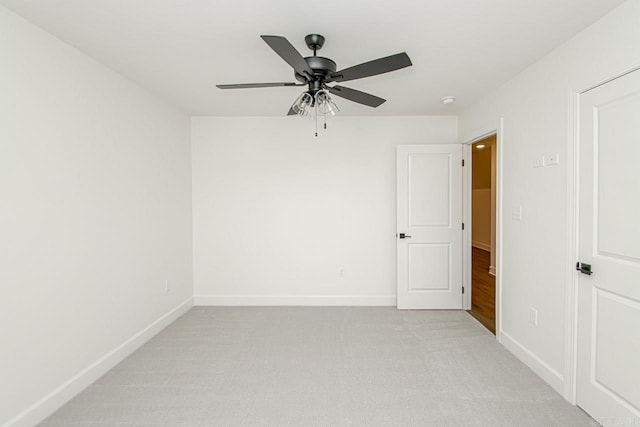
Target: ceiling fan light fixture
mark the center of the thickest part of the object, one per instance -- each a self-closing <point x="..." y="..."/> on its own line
<point x="303" y="105"/>
<point x="325" y="103"/>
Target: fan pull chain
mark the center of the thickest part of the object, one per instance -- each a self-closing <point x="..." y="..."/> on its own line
<point x="316" y="110"/>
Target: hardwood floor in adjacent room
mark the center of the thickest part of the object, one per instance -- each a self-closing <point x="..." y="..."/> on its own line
<point x="483" y="292"/>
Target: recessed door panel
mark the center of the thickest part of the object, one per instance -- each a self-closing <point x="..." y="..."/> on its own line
<point x="429" y="265"/>
<point x="429" y="195"/>
<point x="618" y="126"/>
<point x="615" y="317"/>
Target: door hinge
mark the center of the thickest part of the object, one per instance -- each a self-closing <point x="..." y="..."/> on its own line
<point x="463" y="289"/>
<point x="462" y="162"/>
<point x="463" y="225"/>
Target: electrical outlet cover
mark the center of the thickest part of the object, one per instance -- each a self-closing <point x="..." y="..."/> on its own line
<point x="553" y="159"/>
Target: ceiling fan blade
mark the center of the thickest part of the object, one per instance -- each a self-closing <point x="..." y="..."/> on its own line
<point x="357" y="96"/>
<point x="289" y="53"/>
<point x="252" y="85"/>
<point x="372" y="68"/>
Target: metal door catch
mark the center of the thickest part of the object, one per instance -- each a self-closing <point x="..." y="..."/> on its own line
<point x="584" y="268"/>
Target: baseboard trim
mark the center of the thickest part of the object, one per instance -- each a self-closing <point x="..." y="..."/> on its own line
<point x="72" y="387"/>
<point x="537" y="365"/>
<point x="481" y="245"/>
<point x="311" y="300"/>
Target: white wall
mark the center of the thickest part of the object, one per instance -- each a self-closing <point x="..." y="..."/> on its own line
<point x="481" y="180"/>
<point x="535" y="108"/>
<point x="278" y="212"/>
<point x="95" y="214"/>
<point x="481" y="218"/>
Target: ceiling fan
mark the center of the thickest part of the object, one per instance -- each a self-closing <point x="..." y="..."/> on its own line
<point x="317" y="71"/>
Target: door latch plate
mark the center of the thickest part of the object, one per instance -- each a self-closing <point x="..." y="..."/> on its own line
<point x="584" y="268"/>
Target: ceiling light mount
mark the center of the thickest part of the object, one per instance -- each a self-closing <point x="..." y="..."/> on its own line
<point x="314" y="42"/>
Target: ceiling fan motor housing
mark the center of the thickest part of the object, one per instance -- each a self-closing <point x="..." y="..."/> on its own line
<point x="322" y="67"/>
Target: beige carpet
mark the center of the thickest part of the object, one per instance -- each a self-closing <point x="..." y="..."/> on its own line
<point x="321" y="366"/>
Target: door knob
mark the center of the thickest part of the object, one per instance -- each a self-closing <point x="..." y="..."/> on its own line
<point x="403" y="236"/>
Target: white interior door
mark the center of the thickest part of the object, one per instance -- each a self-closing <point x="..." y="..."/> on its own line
<point x="608" y="377"/>
<point x="429" y="226"/>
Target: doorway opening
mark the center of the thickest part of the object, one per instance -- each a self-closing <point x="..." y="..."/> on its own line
<point x="483" y="231"/>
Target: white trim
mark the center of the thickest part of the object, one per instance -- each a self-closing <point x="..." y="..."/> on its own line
<point x="571" y="294"/>
<point x="537" y="365"/>
<point x="482" y="133"/>
<point x="295" y="300"/>
<point x="481" y="245"/>
<point x="73" y="386"/>
<point x="466" y="219"/>
<point x="498" y="248"/>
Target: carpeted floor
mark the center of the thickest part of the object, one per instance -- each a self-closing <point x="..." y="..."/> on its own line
<point x="321" y="366"/>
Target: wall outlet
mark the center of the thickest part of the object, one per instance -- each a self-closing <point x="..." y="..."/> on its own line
<point x="341" y="272"/>
<point x="539" y="162"/>
<point x="533" y="316"/>
<point x="553" y="159"/>
<point x="167" y="286"/>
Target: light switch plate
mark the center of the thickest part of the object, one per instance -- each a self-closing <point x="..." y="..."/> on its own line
<point x="516" y="213"/>
<point x="539" y="162"/>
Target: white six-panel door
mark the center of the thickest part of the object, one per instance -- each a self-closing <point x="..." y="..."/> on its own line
<point x="608" y="378"/>
<point x="429" y="215"/>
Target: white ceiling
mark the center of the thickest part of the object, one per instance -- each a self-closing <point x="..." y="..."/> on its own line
<point x="180" y="49"/>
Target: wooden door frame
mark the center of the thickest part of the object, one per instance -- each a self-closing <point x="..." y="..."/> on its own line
<point x="573" y="223"/>
<point x="479" y="134"/>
